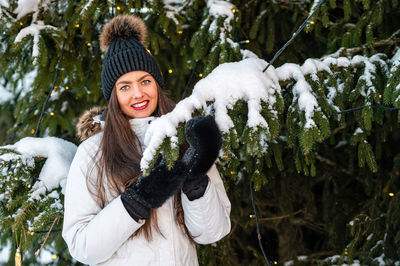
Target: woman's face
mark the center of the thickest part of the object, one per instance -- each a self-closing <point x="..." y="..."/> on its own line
<point x="137" y="94"/>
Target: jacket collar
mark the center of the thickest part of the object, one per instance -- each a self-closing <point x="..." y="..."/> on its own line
<point x="140" y="125"/>
<point x="91" y="123"/>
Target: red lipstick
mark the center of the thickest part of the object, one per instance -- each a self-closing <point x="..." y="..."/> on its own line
<point x="140" y="105"/>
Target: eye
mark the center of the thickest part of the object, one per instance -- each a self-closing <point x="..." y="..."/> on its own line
<point x="145" y="82"/>
<point x="124" y="88"/>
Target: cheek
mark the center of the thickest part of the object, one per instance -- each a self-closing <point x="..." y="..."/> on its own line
<point x="123" y="100"/>
<point x="154" y="94"/>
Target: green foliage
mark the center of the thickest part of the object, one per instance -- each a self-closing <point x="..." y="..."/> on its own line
<point x="26" y="215"/>
<point x="318" y="195"/>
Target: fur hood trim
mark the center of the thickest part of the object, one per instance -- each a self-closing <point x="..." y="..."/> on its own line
<point x="89" y="122"/>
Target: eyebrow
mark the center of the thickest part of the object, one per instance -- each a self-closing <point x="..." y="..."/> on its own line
<point x="129" y="82"/>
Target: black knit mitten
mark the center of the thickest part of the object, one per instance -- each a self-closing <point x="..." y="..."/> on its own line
<point x="205" y="141"/>
<point x="152" y="190"/>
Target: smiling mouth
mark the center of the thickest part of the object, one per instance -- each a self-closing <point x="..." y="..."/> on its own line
<point x="140" y="106"/>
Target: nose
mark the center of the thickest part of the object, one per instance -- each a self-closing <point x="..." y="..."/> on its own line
<point x="137" y="92"/>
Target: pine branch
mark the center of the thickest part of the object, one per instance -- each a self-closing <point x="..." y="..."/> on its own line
<point x="356" y="50"/>
<point x="280" y="217"/>
<point x="37" y="253"/>
<point x="332" y="163"/>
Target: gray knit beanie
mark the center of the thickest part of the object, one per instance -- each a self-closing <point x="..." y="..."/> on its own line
<point x="122" y="39"/>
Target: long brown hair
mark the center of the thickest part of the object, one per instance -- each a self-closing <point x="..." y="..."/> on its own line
<point x="118" y="161"/>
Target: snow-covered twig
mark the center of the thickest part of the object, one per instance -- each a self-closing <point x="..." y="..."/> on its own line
<point x="59" y="154"/>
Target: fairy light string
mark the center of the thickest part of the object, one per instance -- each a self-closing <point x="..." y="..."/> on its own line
<point x="256" y="216"/>
<point x="12" y="135"/>
<point x="306" y="22"/>
<point x="379" y="106"/>
<point x="84" y="85"/>
<point x="280" y="51"/>
<point x="36" y="134"/>
<point x="190" y="80"/>
<point x="302" y="26"/>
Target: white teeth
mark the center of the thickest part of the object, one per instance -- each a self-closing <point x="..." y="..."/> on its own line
<point x="140" y="104"/>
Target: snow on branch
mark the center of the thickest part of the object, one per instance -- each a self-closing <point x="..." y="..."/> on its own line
<point x="369" y="64"/>
<point x="5" y="95"/>
<point x="219" y="8"/>
<point x="59" y="154"/>
<point x="86" y="6"/>
<point x="26" y="7"/>
<point x="34" y="30"/>
<point x="174" y="8"/>
<point x="302" y="91"/>
<point x="244" y="81"/>
<point x="4" y="3"/>
<point x="227" y="84"/>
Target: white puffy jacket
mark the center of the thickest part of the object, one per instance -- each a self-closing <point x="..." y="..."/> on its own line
<point x="98" y="236"/>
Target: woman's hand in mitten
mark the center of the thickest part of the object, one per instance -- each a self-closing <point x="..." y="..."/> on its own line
<point x="152" y="190"/>
<point x="205" y="141"/>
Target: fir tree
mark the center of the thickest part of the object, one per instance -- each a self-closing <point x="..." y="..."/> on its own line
<point x="320" y="146"/>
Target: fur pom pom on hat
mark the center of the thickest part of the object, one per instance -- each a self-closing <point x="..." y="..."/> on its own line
<point x="123" y="41"/>
<point x="123" y="27"/>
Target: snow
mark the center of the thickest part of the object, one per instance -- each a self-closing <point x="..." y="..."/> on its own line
<point x="64" y="107"/>
<point x="4" y="3"/>
<point x="173" y="8"/>
<point x="88" y="4"/>
<point x="334" y="259"/>
<point x="302" y="90"/>
<point x="25" y="7"/>
<point x="34" y="30"/>
<point x="377" y="58"/>
<point x="396" y="58"/>
<point x="44" y="258"/>
<point x="312" y="66"/>
<point x="219" y="8"/>
<point x="245" y="81"/>
<point x="395" y="61"/>
<point x="59" y="154"/>
<point x="291" y="262"/>
<point x="314" y="6"/>
<point x="380" y="260"/>
<point x="5" y="95"/>
<point x="368" y="73"/>
<point x="341" y="144"/>
<point x="369" y="69"/>
<point x="358" y="131"/>
<point x="5" y="253"/>
<point x="224" y="86"/>
<point x="340" y="62"/>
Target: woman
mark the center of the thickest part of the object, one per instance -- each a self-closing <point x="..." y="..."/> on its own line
<point x="114" y="215"/>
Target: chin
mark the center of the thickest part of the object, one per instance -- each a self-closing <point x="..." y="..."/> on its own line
<point x="138" y="114"/>
<point x="141" y="116"/>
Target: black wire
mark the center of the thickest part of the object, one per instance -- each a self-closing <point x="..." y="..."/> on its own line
<point x="362" y="107"/>
<point x="12" y="135"/>
<point x="88" y="75"/>
<point x="307" y="21"/>
<point x="190" y="80"/>
<point x="46" y="231"/>
<point x="51" y="89"/>
<point x="256" y="216"/>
